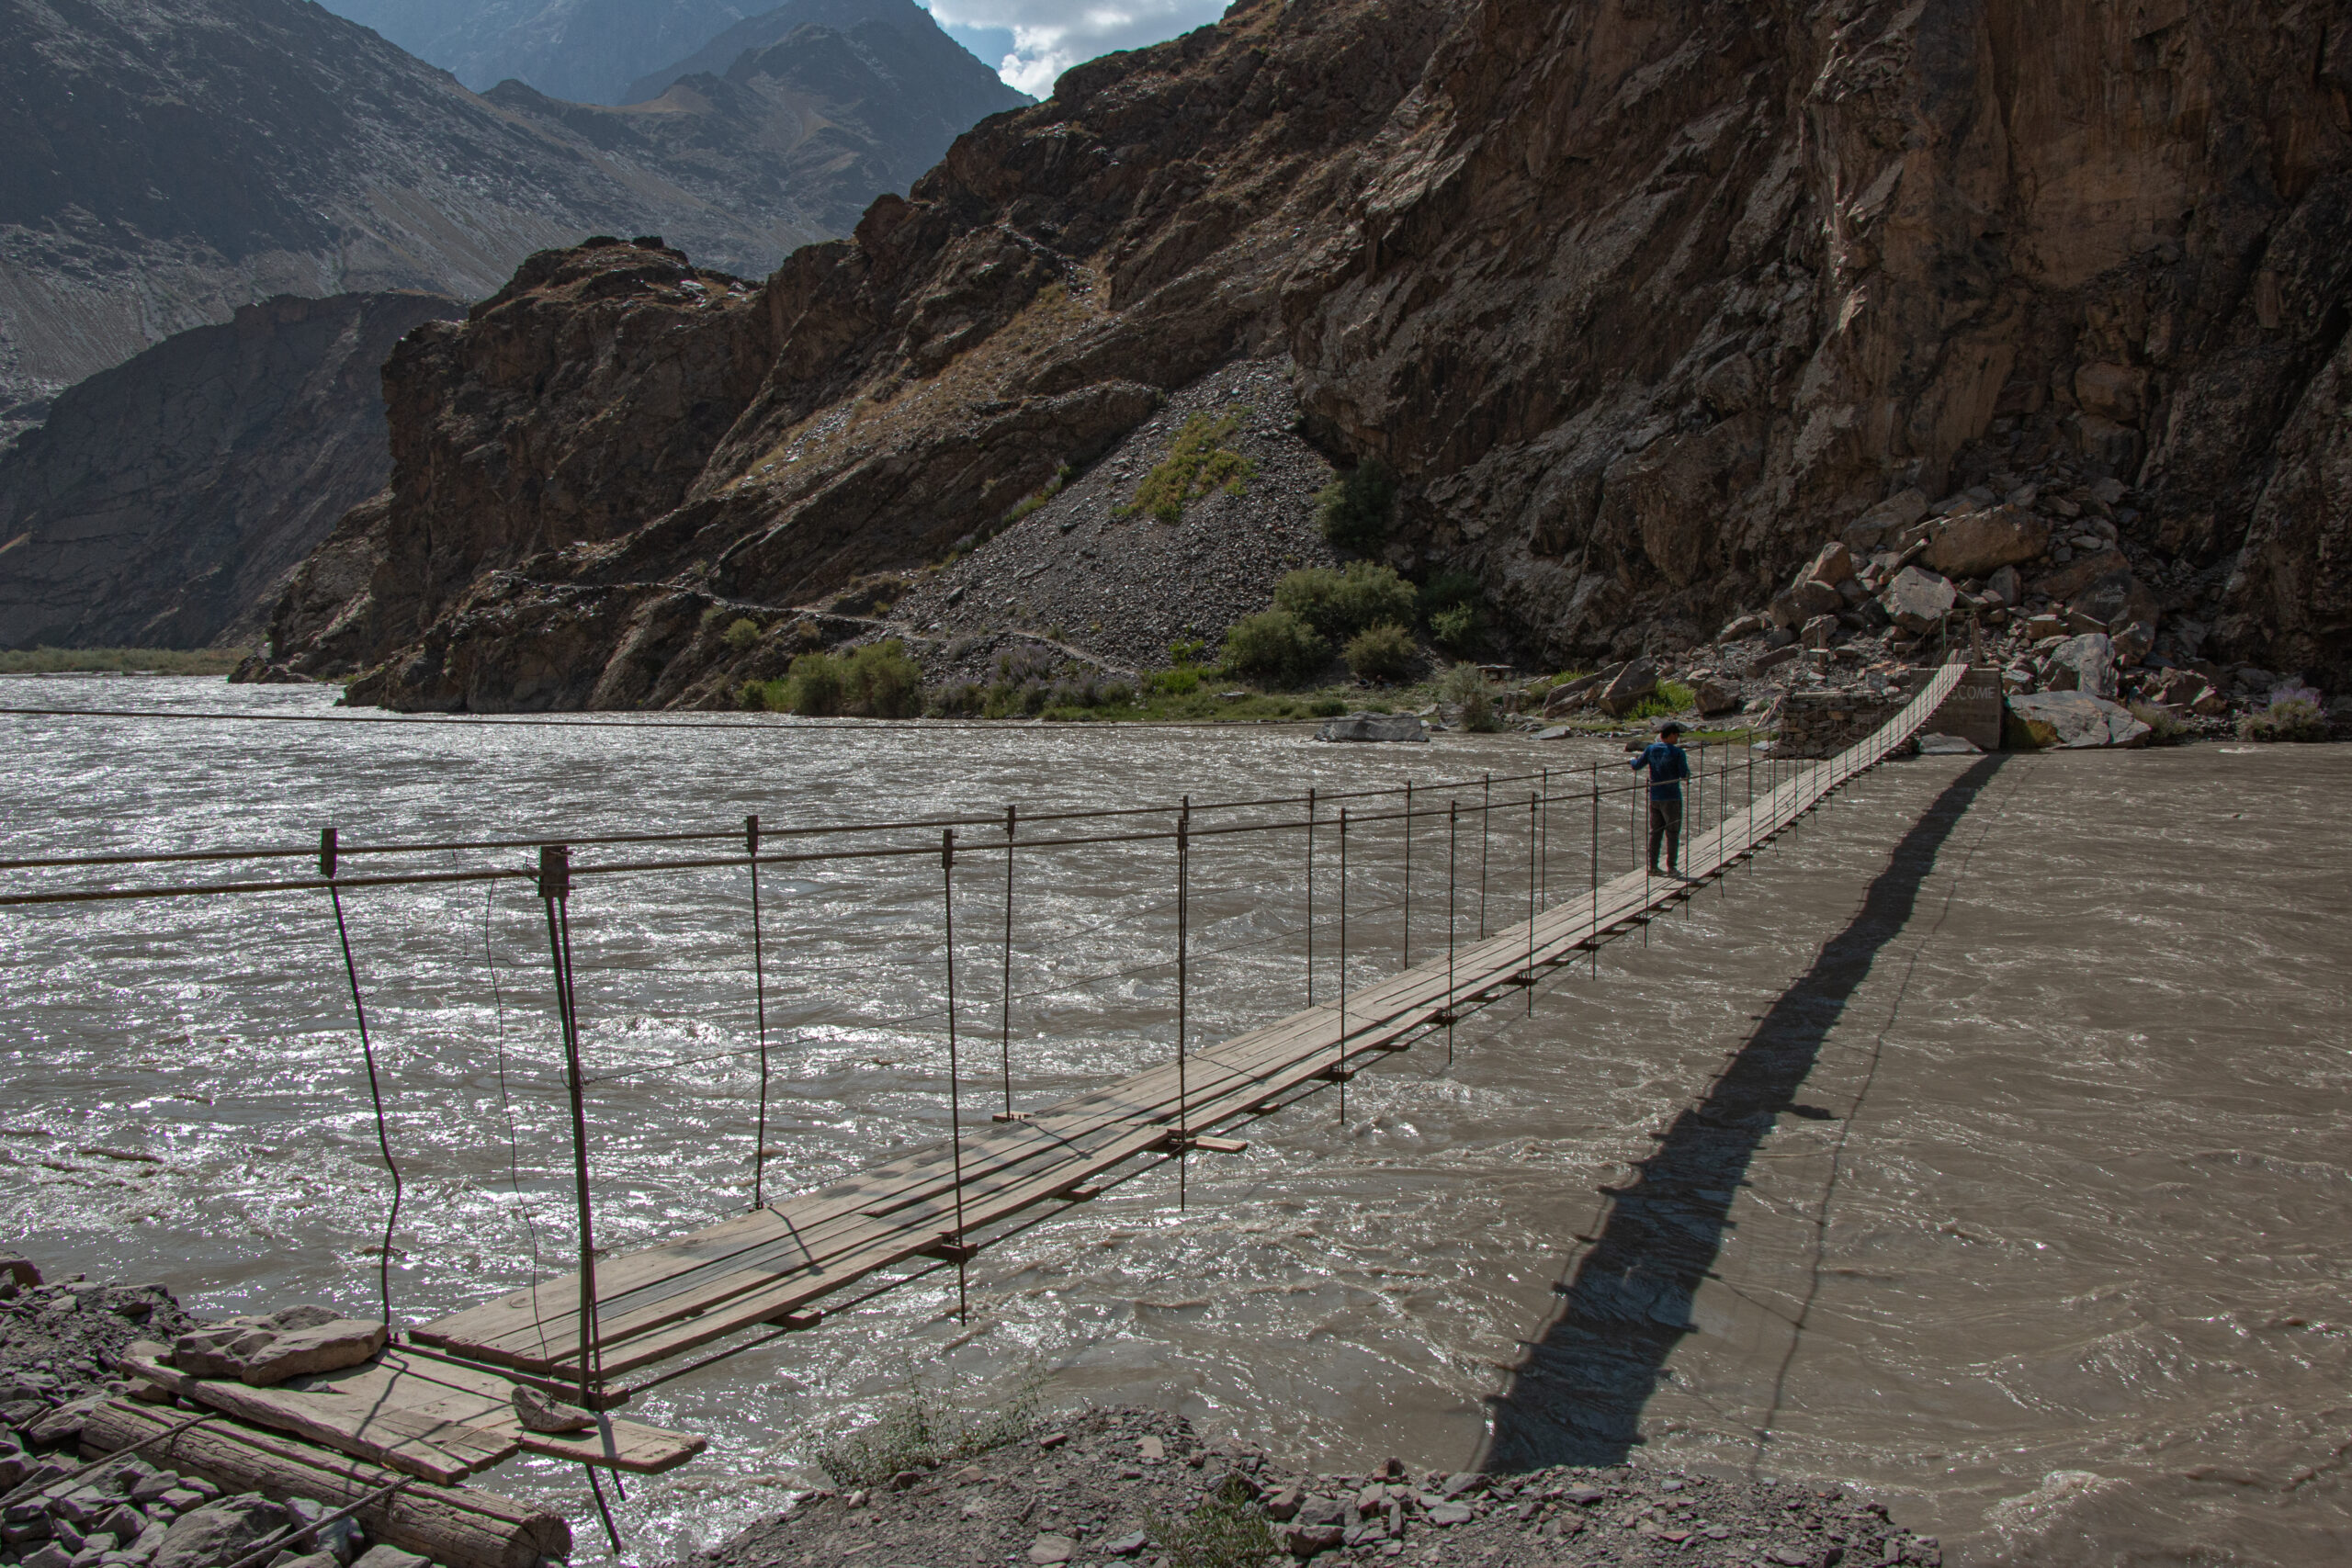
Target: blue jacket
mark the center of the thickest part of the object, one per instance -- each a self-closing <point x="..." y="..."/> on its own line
<point x="1668" y="767"/>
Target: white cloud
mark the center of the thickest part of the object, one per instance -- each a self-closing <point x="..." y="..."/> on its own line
<point x="1051" y="36"/>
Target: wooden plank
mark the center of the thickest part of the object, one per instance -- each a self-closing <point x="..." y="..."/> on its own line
<point x="436" y="1450"/>
<point x="425" y="1418"/>
<point x="454" y="1525"/>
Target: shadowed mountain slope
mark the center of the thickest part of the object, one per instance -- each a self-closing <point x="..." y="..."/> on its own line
<point x="1640" y="307"/>
<point x="166" y="498"/>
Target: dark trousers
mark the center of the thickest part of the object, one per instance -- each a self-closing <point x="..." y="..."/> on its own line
<point x="1666" y="827"/>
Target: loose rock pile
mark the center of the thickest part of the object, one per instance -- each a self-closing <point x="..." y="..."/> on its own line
<point x="57" y="1345"/>
<point x="1114" y="1486"/>
<point x="2072" y="612"/>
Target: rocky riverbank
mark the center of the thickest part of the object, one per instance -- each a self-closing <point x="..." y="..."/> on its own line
<point x="58" y="1345"/>
<point x="1108" y="1486"/>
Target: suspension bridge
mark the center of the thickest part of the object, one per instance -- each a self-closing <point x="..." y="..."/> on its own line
<point x="436" y="1404"/>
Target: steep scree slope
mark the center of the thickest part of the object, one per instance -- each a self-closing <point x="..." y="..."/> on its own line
<point x="1641" y="303"/>
<point x="166" y="498"/>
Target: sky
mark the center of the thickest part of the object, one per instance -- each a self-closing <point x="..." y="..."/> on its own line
<point x="1031" y="41"/>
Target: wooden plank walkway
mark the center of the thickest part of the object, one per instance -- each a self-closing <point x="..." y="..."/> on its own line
<point x="772" y="1265"/>
<point x="416" y="1413"/>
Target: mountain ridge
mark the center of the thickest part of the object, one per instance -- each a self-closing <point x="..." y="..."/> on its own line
<point x="1640" y="309"/>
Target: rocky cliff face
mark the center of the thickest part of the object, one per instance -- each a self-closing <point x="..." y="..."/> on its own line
<point x="166" y="500"/>
<point x="171" y="160"/>
<point x="1641" y="303"/>
<point x="580" y="400"/>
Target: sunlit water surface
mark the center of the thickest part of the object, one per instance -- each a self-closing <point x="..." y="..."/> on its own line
<point x="2046" y="1248"/>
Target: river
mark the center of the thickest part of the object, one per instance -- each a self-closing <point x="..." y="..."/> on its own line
<point x="1996" y="1121"/>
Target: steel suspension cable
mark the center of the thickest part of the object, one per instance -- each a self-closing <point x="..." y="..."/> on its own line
<point x="367" y="1053"/>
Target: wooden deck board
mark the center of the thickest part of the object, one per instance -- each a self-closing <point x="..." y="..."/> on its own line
<point x="671" y="1297"/>
<point x="425" y="1418"/>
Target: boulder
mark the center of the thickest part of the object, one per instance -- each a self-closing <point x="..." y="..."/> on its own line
<point x="2006" y="586"/>
<point x="1799" y="603"/>
<point x="1714" y="697"/>
<point x="1772" y="658"/>
<point x="2080" y="573"/>
<point x="1818" y="631"/>
<point x="2077" y="720"/>
<point x="322" y="1347"/>
<point x="310" y="1315"/>
<point x="1740" y="627"/>
<point x="1576" y="692"/>
<point x="20" y="1270"/>
<point x="2117" y="600"/>
<point x="1833" y="566"/>
<point x="1631" y="685"/>
<point x="256" y="671"/>
<point x="1304" y="1541"/>
<point x="2084" y="663"/>
<point x="1975" y="543"/>
<point x="1373" y="726"/>
<point x="211" y="1351"/>
<point x="389" y="1557"/>
<point x="1919" y="600"/>
<point x="221" y="1533"/>
<point x="1884" y="521"/>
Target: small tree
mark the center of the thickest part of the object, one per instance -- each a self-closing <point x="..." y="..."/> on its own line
<point x="1274" y="645"/>
<point x="1466" y="687"/>
<point x="1382" y="654"/>
<point x="741" y="634"/>
<point x="1356" y="509"/>
<point x="1339" y="604"/>
<point x="881" y="682"/>
<point x="813" y="687"/>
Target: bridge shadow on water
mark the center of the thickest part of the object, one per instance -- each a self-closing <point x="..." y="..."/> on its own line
<point x="1577" y="1394"/>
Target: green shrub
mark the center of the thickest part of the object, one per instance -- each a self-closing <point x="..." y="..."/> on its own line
<point x="812" y="687"/>
<point x="1187" y="650"/>
<point x="1181" y="682"/>
<point x="1457" y="627"/>
<point x="880" y="681"/>
<point x="1671" y="697"/>
<point x="1382" y="654"/>
<point x="966" y="699"/>
<point x="1229" y="1529"/>
<point x="1326" y="707"/>
<point x="1274" y="645"/>
<point x="2295" y="718"/>
<point x="1339" y="604"/>
<point x="1198" y="463"/>
<point x="741" y="634"/>
<point x="1452" y="605"/>
<point x="1467" y="688"/>
<point x="877" y="681"/>
<point x="1355" y="510"/>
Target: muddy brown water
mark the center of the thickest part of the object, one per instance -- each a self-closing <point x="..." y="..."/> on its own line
<point x="1994" y="1124"/>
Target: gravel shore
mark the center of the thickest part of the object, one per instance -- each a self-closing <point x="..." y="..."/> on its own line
<point x="1108" y="1486"/>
